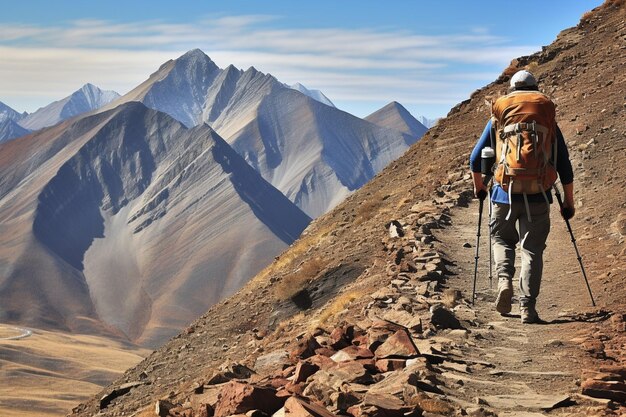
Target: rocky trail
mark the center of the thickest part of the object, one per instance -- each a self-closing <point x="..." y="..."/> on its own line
<point x="416" y="346"/>
<point x="532" y="368"/>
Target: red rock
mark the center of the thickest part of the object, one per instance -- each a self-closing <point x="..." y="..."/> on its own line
<point x="612" y="390"/>
<point x="341" y="401"/>
<point x="288" y="371"/>
<point x="237" y="398"/>
<point x="205" y="410"/>
<point x="304" y="348"/>
<point x="323" y="361"/>
<point x="387" y="365"/>
<point x="382" y="405"/>
<point x="294" y="388"/>
<point x="352" y="372"/>
<point x="325" y="351"/>
<point x="369" y="364"/>
<point x="339" y="338"/>
<point x="400" y="345"/>
<point x="358" y="352"/>
<point x="360" y="340"/>
<point x="181" y="412"/>
<point x="296" y="407"/>
<point x="304" y="370"/>
<point x="277" y="382"/>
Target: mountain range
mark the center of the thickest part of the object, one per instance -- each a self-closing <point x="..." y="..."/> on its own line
<point x="314" y="153"/>
<point x="87" y="98"/>
<point x="134" y="216"/>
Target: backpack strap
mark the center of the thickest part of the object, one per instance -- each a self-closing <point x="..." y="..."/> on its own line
<point x="520" y="127"/>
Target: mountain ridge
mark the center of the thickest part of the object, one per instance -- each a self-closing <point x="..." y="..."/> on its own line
<point x="242" y="106"/>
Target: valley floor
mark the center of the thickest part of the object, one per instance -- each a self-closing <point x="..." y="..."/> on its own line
<point x="45" y="373"/>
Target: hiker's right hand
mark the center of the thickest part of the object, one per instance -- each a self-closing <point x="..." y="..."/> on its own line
<point x="568" y="212"/>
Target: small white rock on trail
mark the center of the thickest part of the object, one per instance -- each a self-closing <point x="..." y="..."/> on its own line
<point x="513" y="368"/>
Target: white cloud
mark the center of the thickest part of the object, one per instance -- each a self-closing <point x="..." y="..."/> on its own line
<point x="347" y="64"/>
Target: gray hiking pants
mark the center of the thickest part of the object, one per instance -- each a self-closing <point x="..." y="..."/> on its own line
<point x="532" y="239"/>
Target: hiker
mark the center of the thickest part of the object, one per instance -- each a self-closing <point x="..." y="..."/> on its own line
<point x="522" y="132"/>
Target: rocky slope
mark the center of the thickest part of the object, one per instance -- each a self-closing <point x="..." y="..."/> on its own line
<point x="313" y="153"/>
<point x="127" y="223"/>
<point x="309" y="325"/>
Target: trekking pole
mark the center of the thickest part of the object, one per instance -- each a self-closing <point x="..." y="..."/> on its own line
<point x="490" y="247"/>
<point x="482" y="194"/>
<point x="571" y="233"/>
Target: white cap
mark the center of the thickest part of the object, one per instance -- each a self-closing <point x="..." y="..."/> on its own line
<point x="523" y="79"/>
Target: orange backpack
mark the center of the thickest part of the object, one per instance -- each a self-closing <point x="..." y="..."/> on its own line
<point x="525" y="132"/>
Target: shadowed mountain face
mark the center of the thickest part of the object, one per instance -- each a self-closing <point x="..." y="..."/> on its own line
<point x="7" y="113"/>
<point x="9" y="129"/>
<point x="312" y="152"/>
<point x="151" y="221"/>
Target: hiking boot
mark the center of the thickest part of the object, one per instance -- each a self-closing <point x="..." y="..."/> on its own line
<point x="529" y="315"/>
<point x="505" y="294"/>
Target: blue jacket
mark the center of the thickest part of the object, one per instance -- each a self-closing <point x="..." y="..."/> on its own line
<point x="498" y="195"/>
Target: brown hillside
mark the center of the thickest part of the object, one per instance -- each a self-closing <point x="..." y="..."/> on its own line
<point x="347" y="269"/>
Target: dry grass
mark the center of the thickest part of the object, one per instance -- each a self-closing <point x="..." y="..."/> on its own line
<point x="510" y="70"/>
<point x="338" y="305"/>
<point x="48" y="373"/>
<point x="532" y="67"/>
<point x="296" y="281"/>
<point x="296" y="250"/>
<point x="586" y="16"/>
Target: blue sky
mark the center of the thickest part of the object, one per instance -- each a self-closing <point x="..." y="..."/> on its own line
<point x="361" y="54"/>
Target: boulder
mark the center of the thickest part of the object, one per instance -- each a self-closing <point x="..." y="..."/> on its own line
<point x="304" y="370"/>
<point x="352" y="353"/>
<point x="404" y="319"/>
<point x="230" y="372"/>
<point x="271" y="362"/>
<point x="382" y="405"/>
<point x="295" y="407"/>
<point x="442" y="318"/>
<point x="238" y="398"/>
<point x="343" y="400"/>
<point x="388" y="365"/>
<point x="399" y="345"/>
<point x="417" y="374"/>
<point x="304" y="348"/>
<point x="323" y="361"/>
<point x="612" y="390"/>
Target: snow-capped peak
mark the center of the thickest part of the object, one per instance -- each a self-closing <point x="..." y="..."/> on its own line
<point x="87" y="98"/>
<point x="94" y="96"/>
<point x="314" y="94"/>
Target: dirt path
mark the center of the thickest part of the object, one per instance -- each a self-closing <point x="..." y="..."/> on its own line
<point x="530" y="368"/>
